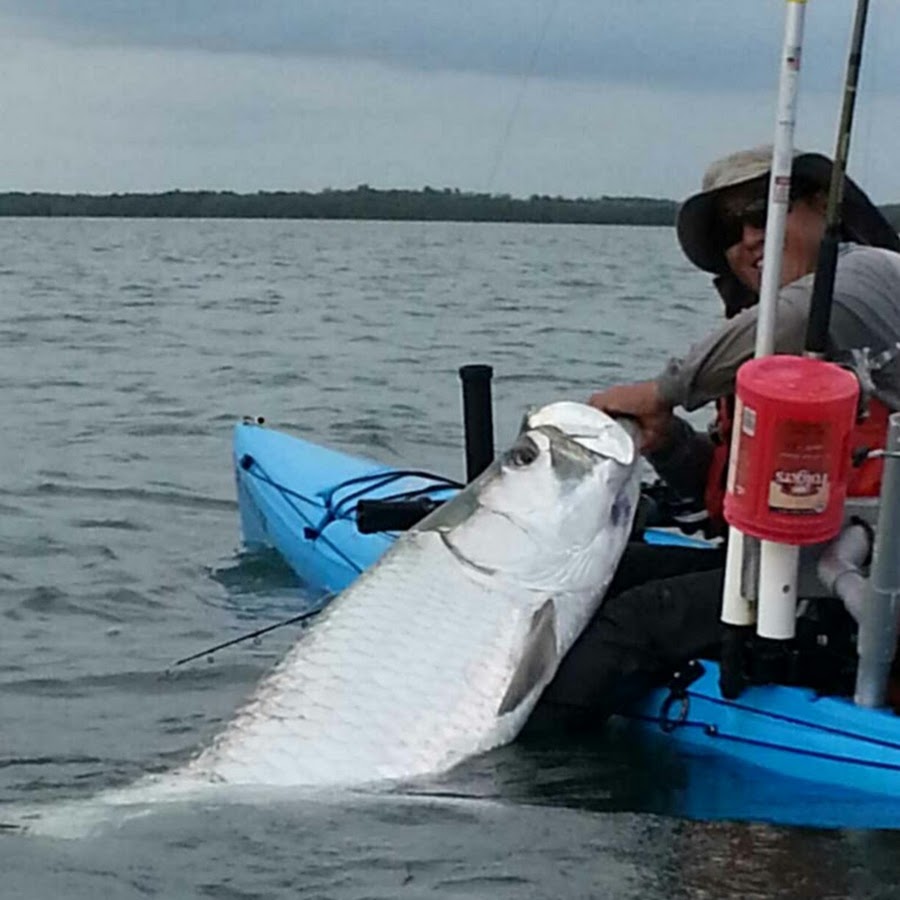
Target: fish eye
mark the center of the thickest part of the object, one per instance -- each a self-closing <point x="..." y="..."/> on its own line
<point x="524" y="451"/>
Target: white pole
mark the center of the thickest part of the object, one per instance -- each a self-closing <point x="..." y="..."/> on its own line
<point x="737" y="609"/>
<point x="780" y="182"/>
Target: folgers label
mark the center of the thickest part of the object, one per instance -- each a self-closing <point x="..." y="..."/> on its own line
<point x="790" y="451"/>
<point x="800" y="482"/>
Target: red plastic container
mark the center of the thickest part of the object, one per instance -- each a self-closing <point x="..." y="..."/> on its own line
<point x="790" y="449"/>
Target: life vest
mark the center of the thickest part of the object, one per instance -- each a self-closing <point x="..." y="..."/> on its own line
<point x="865" y="475"/>
<point x="720" y="433"/>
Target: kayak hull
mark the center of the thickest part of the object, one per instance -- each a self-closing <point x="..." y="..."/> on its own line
<point x="788" y="730"/>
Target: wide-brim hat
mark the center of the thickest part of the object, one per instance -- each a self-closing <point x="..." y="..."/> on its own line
<point x="697" y="224"/>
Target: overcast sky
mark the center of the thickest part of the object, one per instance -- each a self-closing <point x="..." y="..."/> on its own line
<point x="571" y="97"/>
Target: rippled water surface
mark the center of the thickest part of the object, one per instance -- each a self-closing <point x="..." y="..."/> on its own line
<point x="127" y="350"/>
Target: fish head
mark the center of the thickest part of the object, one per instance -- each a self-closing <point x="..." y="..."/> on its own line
<point x="581" y="466"/>
<point x="546" y="511"/>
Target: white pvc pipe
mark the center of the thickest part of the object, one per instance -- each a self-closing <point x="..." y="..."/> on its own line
<point x="736" y="609"/>
<point x="839" y="568"/>
<point x="739" y="609"/>
<point x="777" y="613"/>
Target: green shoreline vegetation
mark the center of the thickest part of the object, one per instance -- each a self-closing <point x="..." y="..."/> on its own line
<point x="362" y="202"/>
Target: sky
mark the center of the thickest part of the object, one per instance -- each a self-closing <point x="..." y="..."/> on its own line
<point x="579" y="98"/>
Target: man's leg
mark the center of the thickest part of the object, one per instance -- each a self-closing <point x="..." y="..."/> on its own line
<point x="642" y="562"/>
<point x="639" y="634"/>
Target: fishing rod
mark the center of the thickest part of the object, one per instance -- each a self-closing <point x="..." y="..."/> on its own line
<point x="301" y="617"/>
<point x="780" y="177"/>
<point x="826" y="265"/>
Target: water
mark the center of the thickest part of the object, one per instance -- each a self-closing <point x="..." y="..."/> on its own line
<point x="127" y="350"/>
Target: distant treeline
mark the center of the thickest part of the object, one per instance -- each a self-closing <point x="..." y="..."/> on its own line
<point x="363" y="202"/>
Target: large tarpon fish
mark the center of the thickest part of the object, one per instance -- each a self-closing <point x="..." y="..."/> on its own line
<point x="441" y="650"/>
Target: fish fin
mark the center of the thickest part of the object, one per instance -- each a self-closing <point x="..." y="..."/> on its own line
<point x="539" y="658"/>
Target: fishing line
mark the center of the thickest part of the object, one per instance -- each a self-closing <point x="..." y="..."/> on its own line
<point x="365" y="484"/>
<point x="520" y="94"/>
<point x="342" y="508"/>
<point x="463" y="260"/>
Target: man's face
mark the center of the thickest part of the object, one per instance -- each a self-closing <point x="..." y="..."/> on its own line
<point x="742" y="219"/>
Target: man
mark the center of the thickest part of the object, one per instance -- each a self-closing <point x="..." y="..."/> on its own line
<point x="664" y="604"/>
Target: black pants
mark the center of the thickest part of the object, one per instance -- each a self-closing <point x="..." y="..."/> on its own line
<point x="661" y="610"/>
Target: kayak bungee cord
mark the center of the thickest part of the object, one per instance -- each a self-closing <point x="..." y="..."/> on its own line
<point x="248" y="464"/>
<point x="314" y="530"/>
<point x="716" y="731"/>
<point x="376" y="480"/>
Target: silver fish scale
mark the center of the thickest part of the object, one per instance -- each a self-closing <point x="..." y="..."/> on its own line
<point x="404" y="675"/>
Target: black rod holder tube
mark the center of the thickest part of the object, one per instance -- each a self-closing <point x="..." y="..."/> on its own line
<point x="478" y="418"/>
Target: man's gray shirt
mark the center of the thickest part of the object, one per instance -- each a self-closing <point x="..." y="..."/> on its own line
<point x="866" y="313"/>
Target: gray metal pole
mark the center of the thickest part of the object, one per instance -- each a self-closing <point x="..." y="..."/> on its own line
<point x="878" y="630"/>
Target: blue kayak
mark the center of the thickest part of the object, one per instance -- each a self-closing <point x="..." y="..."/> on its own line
<point x="300" y="499"/>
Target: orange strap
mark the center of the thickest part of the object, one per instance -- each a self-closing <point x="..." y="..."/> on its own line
<point x="870" y="434"/>
<point x="714" y="495"/>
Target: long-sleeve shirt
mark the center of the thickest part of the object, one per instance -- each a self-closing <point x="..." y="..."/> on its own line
<point x="866" y="313"/>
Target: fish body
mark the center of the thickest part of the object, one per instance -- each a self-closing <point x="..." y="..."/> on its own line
<point x="441" y="650"/>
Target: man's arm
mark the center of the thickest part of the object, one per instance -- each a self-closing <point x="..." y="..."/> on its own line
<point x="709" y="369"/>
<point x="683" y="460"/>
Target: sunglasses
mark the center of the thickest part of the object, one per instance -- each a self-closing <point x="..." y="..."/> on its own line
<point x="752" y="208"/>
<point x="733" y="220"/>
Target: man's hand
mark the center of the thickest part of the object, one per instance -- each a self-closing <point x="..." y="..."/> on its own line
<point x="640" y="400"/>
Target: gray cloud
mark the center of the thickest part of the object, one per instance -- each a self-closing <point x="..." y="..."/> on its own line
<point x="628" y="97"/>
<point x="691" y="43"/>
